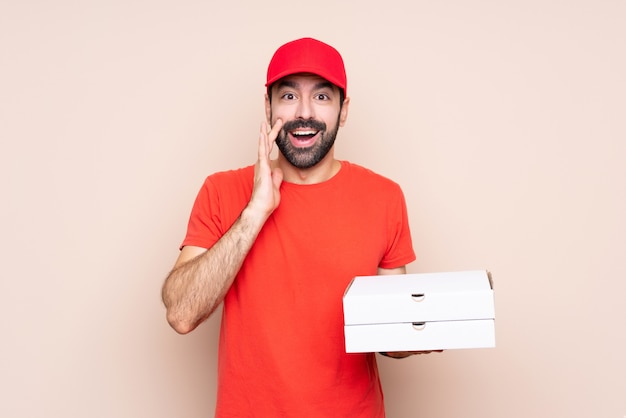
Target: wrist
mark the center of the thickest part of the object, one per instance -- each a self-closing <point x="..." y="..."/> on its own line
<point x="254" y="216"/>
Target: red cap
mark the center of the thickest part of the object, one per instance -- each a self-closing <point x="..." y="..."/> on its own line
<point x="308" y="55"/>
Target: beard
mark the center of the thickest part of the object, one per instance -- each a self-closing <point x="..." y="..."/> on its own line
<point x="310" y="156"/>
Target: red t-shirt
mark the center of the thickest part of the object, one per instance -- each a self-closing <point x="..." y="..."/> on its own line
<point x="282" y="349"/>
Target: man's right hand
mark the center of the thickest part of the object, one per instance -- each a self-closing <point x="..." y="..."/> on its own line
<point x="267" y="180"/>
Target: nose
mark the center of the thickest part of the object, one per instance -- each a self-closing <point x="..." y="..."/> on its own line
<point x="305" y="109"/>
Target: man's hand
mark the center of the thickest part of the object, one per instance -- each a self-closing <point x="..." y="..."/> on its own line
<point x="267" y="181"/>
<point x="403" y="354"/>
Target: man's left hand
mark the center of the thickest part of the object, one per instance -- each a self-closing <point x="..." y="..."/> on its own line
<point x="403" y="354"/>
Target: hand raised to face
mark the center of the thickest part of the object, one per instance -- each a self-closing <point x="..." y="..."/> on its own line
<point x="267" y="180"/>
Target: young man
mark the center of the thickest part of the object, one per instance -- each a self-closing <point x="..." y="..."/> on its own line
<point x="278" y="243"/>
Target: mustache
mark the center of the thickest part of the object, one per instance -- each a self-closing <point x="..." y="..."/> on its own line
<point x="301" y="124"/>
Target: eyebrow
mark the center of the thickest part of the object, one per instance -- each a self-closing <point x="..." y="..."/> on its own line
<point x="324" y="85"/>
<point x="292" y="84"/>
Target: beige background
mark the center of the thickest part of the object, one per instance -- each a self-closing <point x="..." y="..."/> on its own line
<point x="503" y="122"/>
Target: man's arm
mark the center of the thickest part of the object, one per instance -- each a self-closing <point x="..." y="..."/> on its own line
<point x="201" y="278"/>
<point x="401" y="354"/>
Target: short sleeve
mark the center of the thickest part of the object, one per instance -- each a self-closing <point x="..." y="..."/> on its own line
<point x="204" y="227"/>
<point x="218" y="204"/>
<point x="400" y="245"/>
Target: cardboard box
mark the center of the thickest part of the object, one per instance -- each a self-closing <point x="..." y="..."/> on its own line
<point x="414" y="312"/>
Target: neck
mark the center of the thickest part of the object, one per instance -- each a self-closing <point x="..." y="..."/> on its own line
<point x="319" y="173"/>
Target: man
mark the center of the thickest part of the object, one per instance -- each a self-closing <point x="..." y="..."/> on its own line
<point x="278" y="243"/>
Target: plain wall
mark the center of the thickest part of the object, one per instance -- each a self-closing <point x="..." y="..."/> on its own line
<point x="504" y="122"/>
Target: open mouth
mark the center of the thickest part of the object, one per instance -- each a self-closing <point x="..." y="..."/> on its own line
<point x="303" y="137"/>
<point x="303" y="133"/>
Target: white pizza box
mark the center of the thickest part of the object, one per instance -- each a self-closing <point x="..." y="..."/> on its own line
<point x="413" y="312"/>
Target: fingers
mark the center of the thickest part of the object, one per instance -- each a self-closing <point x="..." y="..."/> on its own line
<point x="403" y="354"/>
<point x="267" y="138"/>
<point x="273" y="134"/>
<point x="267" y="181"/>
<point x="265" y="146"/>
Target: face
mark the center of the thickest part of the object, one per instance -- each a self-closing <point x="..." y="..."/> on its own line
<point x="311" y="111"/>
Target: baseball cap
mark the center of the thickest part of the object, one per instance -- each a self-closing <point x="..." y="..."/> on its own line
<point x="308" y="55"/>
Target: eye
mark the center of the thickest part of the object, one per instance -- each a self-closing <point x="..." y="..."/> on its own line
<point x="322" y="96"/>
<point x="288" y="96"/>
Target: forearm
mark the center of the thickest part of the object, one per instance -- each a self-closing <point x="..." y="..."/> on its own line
<point x="197" y="285"/>
<point x="194" y="289"/>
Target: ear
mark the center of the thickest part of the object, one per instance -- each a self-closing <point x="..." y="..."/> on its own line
<point x="268" y="110"/>
<point x="344" y="111"/>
